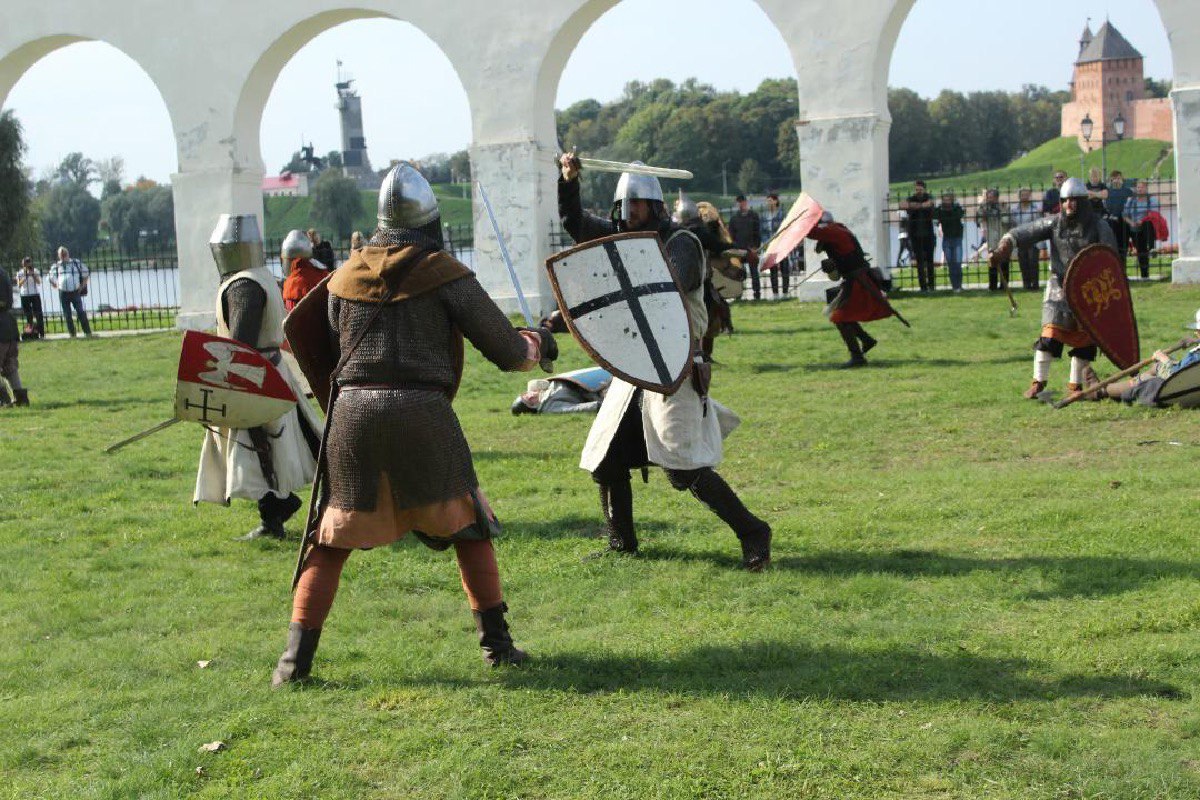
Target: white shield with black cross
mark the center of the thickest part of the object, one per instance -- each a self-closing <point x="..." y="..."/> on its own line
<point x="624" y="305"/>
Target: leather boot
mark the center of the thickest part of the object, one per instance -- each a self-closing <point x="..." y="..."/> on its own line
<point x="22" y="397"/>
<point x="1035" y="388"/>
<point x="856" y="353"/>
<point x="867" y="340"/>
<point x="616" y="501"/>
<point x="497" y="644"/>
<point x="296" y="662"/>
<point x="272" y="513"/>
<point x="753" y="533"/>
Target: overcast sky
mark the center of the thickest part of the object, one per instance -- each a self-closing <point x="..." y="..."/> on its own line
<point x="91" y="98"/>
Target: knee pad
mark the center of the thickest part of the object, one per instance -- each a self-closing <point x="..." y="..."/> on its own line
<point x="683" y="479"/>
<point x="1047" y="345"/>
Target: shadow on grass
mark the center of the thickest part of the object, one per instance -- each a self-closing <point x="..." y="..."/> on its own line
<point x="116" y="403"/>
<point x="876" y="363"/>
<point x="785" y="669"/>
<point x="1070" y="576"/>
<point x="573" y="526"/>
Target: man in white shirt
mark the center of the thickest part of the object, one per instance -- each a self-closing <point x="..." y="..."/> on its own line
<point x="70" y="277"/>
<point x="29" y="284"/>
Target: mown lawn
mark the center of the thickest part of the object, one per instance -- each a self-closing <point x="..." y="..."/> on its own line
<point x="973" y="595"/>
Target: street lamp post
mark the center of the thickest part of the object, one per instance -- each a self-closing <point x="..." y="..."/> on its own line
<point x="1086" y="127"/>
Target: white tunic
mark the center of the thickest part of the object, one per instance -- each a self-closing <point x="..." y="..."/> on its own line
<point x="229" y="466"/>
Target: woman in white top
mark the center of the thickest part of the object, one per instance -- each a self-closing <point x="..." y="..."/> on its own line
<point x="29" y="283"/>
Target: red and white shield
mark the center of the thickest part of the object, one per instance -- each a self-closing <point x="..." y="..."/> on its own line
<point x="801" y="218"/>
<point x="228" y="384"/>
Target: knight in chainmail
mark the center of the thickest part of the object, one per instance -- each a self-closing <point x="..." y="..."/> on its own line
<point x="1075" y="227"/>
<point x="395" y="457"/>
<point x="269" y="463"/>
<point x="682" y="432"/>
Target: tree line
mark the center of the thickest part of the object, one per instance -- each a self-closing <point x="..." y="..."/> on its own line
<point x="61" y="209"/>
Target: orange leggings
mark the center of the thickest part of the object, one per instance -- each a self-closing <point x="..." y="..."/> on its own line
<point x="323" y="570"/>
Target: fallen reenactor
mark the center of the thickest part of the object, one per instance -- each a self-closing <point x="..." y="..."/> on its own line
<point x="576" y="392"/>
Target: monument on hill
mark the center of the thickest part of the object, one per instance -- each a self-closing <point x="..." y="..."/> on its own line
<point x="355" y="163"/>
<point x="1109" y="81"/>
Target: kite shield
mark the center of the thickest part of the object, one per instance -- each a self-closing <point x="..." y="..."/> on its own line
<point x="228" y="384"/>
<point x="1098" y="292"/>
<point x="624" y="305"/>
<point x="801" y="218"/>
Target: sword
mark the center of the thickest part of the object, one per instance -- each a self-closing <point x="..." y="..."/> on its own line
<point x="546" y="364"/>
<point x="162" y="426"/>
<point x="637" y="169"/>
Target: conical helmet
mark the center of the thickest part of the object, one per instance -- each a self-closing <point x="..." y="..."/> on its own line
<point x="631" y="186"/>
<point x="685" y="209"/>
<point x="1073" y="187"/>
<point x="406" y="200"/>
<point x="295" y="245"/>
<point x="237" y="243"/>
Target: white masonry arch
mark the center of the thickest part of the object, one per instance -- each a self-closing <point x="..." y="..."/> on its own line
<point x="210" y="62"/>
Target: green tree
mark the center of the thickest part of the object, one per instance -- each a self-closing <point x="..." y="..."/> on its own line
<point x="141" y="213"/>
<point x="460" y="166"/>
<point x="297" y="164"/>
<point x="787" y="148"/>
<point x="750" y="177"/>
<point x="336" y="202"/>
<point x="70" y="217"/>
<point x="76" y="169"/>
<point x="909" y="138"/>
<point x="1157" y="88"/>
<point x="333" y="160"/>
<point x="14" y="186"/>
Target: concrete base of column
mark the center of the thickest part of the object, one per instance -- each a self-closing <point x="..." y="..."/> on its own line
<point x="1185" y="270"/>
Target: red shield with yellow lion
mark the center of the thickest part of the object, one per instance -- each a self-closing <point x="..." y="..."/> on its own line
<point x="1097" y="290"/>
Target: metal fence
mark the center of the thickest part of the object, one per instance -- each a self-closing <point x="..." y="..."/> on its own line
<point x="899" y="257"/>
<point x="126" y="291"/>
<point x="140" y="290"/>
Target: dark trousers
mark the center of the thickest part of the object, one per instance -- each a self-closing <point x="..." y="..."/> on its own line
<point x="755" y="280"/>
<point x="1027" y="257"/>
<point x="1121" y="233"/>
<point x="922" y="248"/>
<point x="74" y="300"/>
<point x="1143" y="240"/>
<point x="994" y="275"/>
<point x="783" y="270"/>
<point x="31" y="306"/>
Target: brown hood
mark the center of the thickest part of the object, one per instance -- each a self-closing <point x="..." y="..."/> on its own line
<point x="373" y="273"/>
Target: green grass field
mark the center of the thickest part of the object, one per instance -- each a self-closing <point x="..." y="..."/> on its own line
<point x="284" y="214"/>
<point x="973" y="595"/>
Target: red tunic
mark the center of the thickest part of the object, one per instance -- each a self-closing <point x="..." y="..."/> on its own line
<point x="861" y="299"/>
<point x="302" y="279"/>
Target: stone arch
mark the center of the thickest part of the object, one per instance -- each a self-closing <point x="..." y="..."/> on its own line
<point x="257" y="87"/>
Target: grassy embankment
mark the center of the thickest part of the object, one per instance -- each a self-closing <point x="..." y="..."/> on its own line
<point x="973" y="595"/>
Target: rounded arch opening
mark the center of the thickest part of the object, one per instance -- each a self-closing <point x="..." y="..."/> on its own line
<point x="363" y="89"/>
<point x="101" y="151"/>
<point x="719" y="109"/>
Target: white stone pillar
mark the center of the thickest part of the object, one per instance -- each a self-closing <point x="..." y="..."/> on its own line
<point x="201" y="196"/>
<point x="843" y="164"/>
<point x="520" y="181"/>
<point x="1186" y="101"/>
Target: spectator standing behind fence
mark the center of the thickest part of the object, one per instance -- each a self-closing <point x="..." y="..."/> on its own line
<point x="1097" y="190"/>
<point x="70" y="277"/>
<point x="993" y="221"/>
<point x="321" y="250"/>
<point x="29" y="284"/>
<point x="770" y="219"/>
<point x="1141" y="229"/>
<point x="949" y="217"/>
<point x="10" y="343"/>
<point x="1051" y="202"/>
<point x="919" y="206"/>
<point x="746" y="230"/>
<point x="1114" y="210"/>
<point x="1022" y="212"/>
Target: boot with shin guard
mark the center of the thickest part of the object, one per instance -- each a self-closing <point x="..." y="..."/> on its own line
<point x="497" y="644"/>
<point x="295" y="664"/>
<point x="753" y="533"/>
